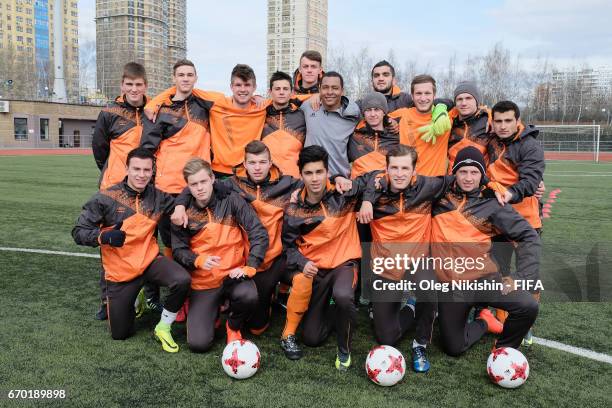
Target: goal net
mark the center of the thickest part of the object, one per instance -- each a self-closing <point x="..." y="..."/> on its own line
<point x="579" y="142"/>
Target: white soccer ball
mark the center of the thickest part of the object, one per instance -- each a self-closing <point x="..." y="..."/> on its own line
<point x="507" y="367"/>
<point x="385" y="365"/>
<point x="240" y="359"/>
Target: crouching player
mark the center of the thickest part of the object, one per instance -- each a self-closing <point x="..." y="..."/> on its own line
<point x="464" y="224"/>
<point x="402" y="226"/>
<point x="322" y="247"/>
<point x="212" y="247"/>
<point x="122" y="220"/>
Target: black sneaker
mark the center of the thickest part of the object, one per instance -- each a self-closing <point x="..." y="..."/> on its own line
<point x="291" y="348"/>
<point x="155" y="306"/>
<point x="102" y="313"/>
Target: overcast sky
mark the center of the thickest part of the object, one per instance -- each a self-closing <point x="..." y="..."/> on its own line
<point x="568" y="32"/>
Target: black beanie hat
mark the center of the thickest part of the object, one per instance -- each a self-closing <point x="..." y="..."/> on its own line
<point x="470" y="156"/>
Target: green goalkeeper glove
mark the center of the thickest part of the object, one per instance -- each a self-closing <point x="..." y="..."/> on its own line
<point x="440" y="124"/>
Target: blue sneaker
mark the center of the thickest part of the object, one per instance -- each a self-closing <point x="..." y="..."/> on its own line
<point x="420" y="364"/>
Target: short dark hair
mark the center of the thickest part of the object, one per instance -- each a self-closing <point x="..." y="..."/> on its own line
<point x="333" y="74"/>
<point x="422" y="79"/>
<point x="182" y="62"/>
<point x="383" y="63"/>
<point x="244" y="72"/>
<point x="256" y="147"/>
<point x="312" y="55"/>
<point x="505" y="106"/>
<point x="139" y="153"/>
<point x="134" y="70"/>
<point x="281" y="76"/>
<point x="403" y="150"/>
<point x="312" y="154"/>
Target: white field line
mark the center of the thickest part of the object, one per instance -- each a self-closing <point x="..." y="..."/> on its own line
<point x="47" y="252"/>
<point x="593" y="355"/>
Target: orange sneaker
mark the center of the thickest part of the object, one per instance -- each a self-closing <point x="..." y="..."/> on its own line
<point x="232" y="335"/>
<point x="493" y="325"/>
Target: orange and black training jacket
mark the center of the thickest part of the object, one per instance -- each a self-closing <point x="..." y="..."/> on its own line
<point x="518" y="164"/>
<point x="470" y="131"/>
<point x="180" y="132"/>
<point x="284" y="133"/>
<point x="117" y="132"/>
<point x="269" y="199"/>
<point x="402" y="220"/>
<point x="216" y="230"/>
<point x="367" y="149"/>
<point x="139" y="213"/>
<point x="464" y="225"/>
<point x="326" y="232"/>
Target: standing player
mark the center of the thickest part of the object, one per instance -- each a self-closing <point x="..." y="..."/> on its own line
<point x="425" y="127"/>
<point x="122" y="221"/>
<point x="212" y="247"/>
<point x="471" y="121"/>
<point x="118" y="131"/>
<point x="331" y="126"/>
<point x="285" y="127"/>
<point x="308" y="75"/>
<point x="517" y="163"/>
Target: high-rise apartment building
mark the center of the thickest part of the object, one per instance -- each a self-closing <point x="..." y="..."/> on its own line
<point x="28" y="34"/>
<point x="295" y="26"/>
<point x="151" y="32"/>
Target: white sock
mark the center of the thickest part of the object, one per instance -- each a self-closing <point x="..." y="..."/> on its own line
<point x="168" y="317"/>
<point x="415" y="344"/>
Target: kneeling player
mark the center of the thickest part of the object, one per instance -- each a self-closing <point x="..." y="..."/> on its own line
<point x="212" y="247"/>
<point x="402" y="226"/>
<point x="465" y="222"/>
<point x="122" y="220"/>
<point x="322" y="246"/>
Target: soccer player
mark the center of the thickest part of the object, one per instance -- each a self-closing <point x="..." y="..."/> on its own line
<point x="322" y="245"/>
<point x="285" y="127"/>
<point x="383" y="81"/>
<point x="516" y="161"/>
<point x="118" y="131"/>
<point x="331" y="126"/>
<point x="471" y="121"/>
<point x="465" y="223"/>
<point x="212" y="247"/>
<point x="371" y="141"/>
<point x="425" y="127"/>
<point x="122" y="220"/>
<point x="119" y="126"/>
<point x="308" y="75"/>
<point x="402" y="226"/>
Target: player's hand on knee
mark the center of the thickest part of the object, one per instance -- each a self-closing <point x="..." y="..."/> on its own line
<point x="310" y="269"/>
<point x="207" y="262"/>
<point x="179" y="216"/>
<point x="113" y="237"/>
<point x="366" y="213"/>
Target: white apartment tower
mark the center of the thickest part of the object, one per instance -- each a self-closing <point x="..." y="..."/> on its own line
<point x="295" y="26"/>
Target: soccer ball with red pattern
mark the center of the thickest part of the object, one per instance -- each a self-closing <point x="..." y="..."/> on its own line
<point x="507" y="367"/>
<point x="240" y="359"/>
<point x="385" y="365"/>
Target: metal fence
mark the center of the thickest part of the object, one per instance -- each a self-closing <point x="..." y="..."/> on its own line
<point x="34" y="141"/>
